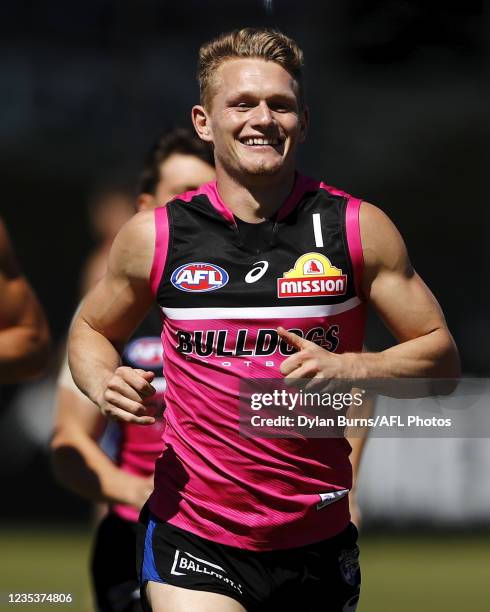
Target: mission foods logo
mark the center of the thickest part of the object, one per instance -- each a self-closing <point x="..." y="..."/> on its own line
<point x="313" y="275"/>
<point x="199" y="277"/>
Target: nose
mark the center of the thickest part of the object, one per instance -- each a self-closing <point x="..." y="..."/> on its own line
<point x="262" y="116"/>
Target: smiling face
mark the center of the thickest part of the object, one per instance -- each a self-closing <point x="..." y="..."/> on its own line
<point x="254" y="121"/>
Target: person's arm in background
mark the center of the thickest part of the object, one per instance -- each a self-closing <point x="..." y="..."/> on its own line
<point x="79" y="464"/>
<point x="24" y="332"/>
<point x="357" y="438"/>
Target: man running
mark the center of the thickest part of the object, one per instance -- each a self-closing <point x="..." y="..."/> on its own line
<point x="178" y="161"/>
<point x="264" y="273"/>
<point x="24" y="333"/>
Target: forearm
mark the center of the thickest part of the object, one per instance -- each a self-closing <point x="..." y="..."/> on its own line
<point x="358" y="435"/>
<point x="93" y="359"/>
<point x="24" y="353"/>
<point x="433" y="355"/>
<point x="82" y="467"/>
<point x="357" y="443"/>
<point x="425" y="366"/>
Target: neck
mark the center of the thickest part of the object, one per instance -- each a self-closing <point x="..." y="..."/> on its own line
<point x="254" y="203"/>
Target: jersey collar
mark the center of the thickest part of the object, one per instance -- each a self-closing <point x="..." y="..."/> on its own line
<point x="302" y="185"/>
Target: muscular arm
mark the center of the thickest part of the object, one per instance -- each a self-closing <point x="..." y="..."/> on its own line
<point x="79" y="463"/>
<point x="403" y="301"/>
<point x="24" y="334"/>
<point x="425" y="347"/>
<point x="108" y="316"/>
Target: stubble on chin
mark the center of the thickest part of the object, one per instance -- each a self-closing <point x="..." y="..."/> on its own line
<point x="240" y="169"/>
<point x="264" y="170"/>
<point x="261" y="169"/>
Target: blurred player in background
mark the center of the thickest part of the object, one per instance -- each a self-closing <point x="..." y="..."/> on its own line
<point x="24" y="333"/>
<point x="109" y="208"/>
<point x="179" y="161"/>
<point x="238" y="523"/>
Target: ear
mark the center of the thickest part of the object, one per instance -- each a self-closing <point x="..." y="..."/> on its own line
<point x="145" y="201"/>
<point x="304" y="122"/>
<point x="202" y="123"/>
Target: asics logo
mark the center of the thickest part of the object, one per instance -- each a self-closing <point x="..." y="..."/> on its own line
<point x="258" y="272"/>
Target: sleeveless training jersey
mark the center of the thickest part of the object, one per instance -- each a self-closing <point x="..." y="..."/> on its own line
<point x="223" y="288"/>
<point x="140" y="445"/>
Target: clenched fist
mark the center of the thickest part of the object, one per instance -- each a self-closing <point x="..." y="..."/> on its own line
<point x="124" y="396"/>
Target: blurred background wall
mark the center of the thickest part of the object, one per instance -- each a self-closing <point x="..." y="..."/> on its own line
<point x="399" y="116"/>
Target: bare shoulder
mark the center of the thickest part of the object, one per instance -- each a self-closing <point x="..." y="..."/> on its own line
<point x="133" y="248"/>
<point x="382" y="243"/>
<point x="139" y="229"/>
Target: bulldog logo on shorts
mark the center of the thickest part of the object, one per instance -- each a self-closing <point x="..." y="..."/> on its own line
<point x="349" y="565"/>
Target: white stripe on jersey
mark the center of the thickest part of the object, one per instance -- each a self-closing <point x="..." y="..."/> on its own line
<point x="317" y="229"/>
<point x="268" y="312"/>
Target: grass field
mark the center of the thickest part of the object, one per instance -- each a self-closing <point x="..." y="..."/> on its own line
<point x="401" y="573"/>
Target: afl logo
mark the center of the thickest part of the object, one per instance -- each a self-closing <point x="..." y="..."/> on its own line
<point x="199" y="277"/>
<point x="145" y="353"/>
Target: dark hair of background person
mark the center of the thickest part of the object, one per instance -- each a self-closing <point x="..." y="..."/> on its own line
<point x="179" y="140"/>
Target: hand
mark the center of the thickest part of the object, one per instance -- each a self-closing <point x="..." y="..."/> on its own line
<point x="124" y="396"/>
<point x="313" y="361"/>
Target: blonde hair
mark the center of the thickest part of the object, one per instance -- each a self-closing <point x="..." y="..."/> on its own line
<point x="262" y="43"/>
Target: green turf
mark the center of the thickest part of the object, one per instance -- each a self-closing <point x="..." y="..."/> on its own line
<point x="41" y="562"/>
<point x="400" y="573"/>
<point x="423" y="574"/>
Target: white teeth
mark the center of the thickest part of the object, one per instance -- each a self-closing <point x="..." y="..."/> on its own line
<point x="261" y="141"/>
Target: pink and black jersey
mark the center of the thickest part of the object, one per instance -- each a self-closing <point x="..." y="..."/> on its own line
<point x="140" y="445"/>
<point x="224" y="286"/>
